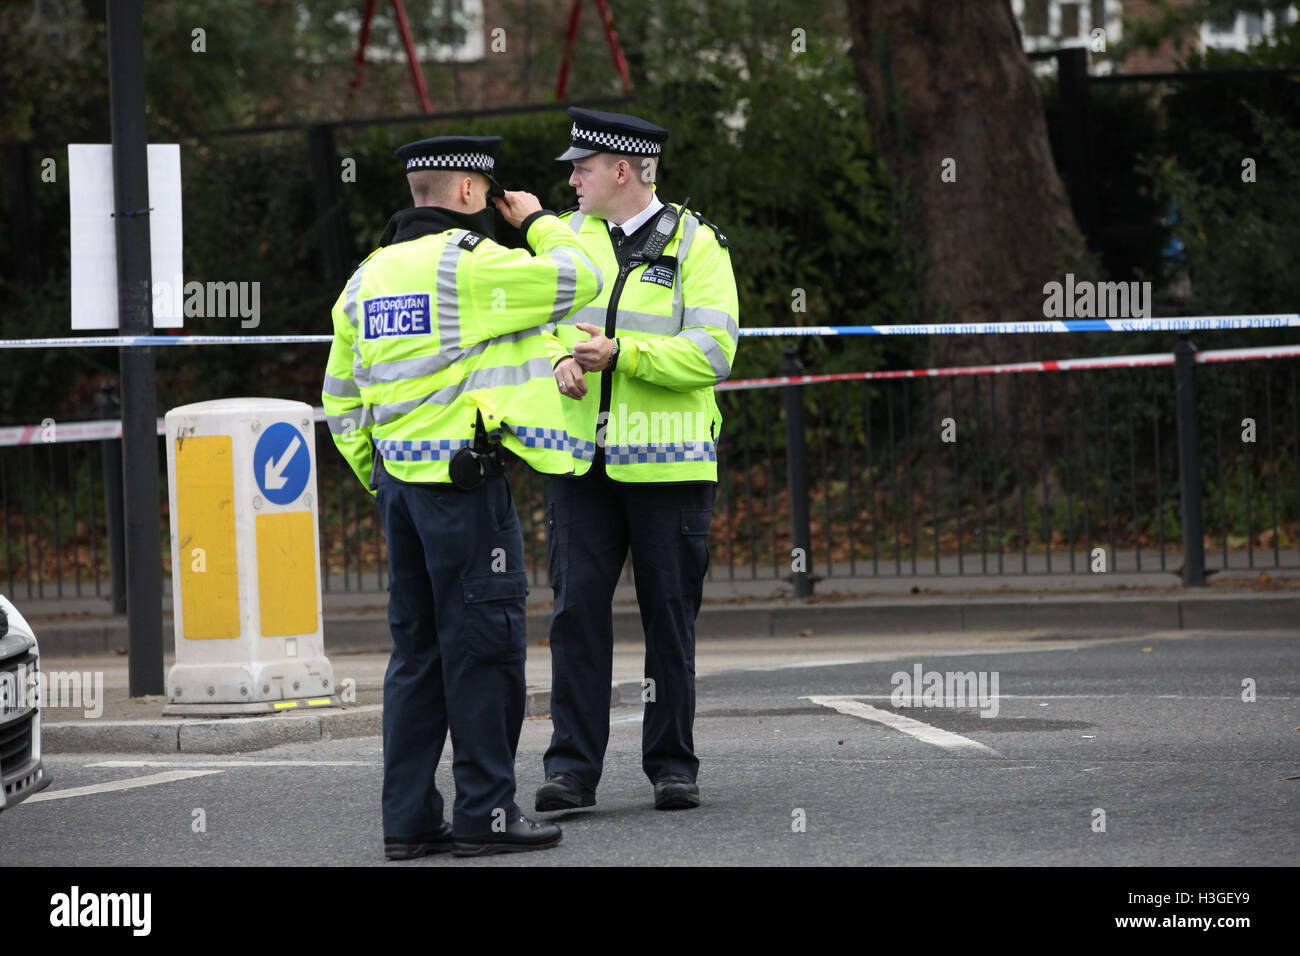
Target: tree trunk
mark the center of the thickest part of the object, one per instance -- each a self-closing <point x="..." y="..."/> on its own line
<point x="948" y="87"/>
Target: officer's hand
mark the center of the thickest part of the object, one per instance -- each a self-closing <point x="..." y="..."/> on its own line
<point x="568" y="375"/>
<point x="593" y="354"/>
<point x="517" y="205"/>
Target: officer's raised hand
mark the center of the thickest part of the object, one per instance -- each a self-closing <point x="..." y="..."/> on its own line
<point x="516" y="205"/>
<point x="593" y="354"/>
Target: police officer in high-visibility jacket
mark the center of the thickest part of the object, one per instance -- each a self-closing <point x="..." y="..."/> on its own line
<point x="640" y="363"/>
<point x="437" y="364"/>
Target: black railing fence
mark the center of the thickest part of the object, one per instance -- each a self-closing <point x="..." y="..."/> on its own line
<point x="1042" y="473"/>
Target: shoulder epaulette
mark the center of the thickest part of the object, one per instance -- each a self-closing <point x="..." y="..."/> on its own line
<point x="722" y="240"/>
<point x="565" y="212"/>
<point x="470" y="240"/>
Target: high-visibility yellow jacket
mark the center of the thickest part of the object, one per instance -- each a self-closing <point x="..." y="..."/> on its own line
<point x="677" y="323"/>
<point x="442" y="324"/>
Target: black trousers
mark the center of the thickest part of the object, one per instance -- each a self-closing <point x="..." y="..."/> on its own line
<point x="457" y="588"/>
<point x="591" y="523"/>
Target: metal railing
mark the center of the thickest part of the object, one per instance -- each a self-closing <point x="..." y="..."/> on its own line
<point x="1033" y="473"/>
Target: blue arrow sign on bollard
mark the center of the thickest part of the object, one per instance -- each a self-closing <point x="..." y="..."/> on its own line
<point x="281" y="463"/>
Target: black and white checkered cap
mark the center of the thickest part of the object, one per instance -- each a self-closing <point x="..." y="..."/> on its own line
<point x="613" y="142"/>
<point x="475" y="162"/>
<point x="596" y="132"/>
<point x="475" y="154"/>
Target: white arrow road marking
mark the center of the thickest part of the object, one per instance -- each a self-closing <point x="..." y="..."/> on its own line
<point x="236" y="763"/>
<point x="128" y="784"/>
<point x="274" y="479"/>
<point x="914" y="728"/>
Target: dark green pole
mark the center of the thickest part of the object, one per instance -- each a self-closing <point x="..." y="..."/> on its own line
<point x="135" y="317"/>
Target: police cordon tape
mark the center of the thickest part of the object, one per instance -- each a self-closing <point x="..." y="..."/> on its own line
<point x="1056" y="365"/>
<point x="109" y="429"/>
<point x="1194" y="323"/>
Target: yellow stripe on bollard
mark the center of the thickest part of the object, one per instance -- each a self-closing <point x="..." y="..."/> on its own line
<point x="205" y="523"/>
<point x="286" y="572"/>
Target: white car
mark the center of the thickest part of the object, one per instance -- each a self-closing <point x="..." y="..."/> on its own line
<point x="21" y="771"/>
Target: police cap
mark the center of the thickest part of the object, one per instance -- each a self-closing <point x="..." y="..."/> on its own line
<point x="474" y="154"/>
<point x="596" y="132"/>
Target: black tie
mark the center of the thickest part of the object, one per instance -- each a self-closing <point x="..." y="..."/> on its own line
<point x="616" y="233"/>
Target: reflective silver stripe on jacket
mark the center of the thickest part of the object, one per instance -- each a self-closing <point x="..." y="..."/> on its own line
<point x="341" y="387"/>
<point x="494" y="377"/>
<point x="566" y="283"/>
<point x="712" y="351"/>
<point x="448" y="299"/>
<point x="351" y="420"/>
<point x="575" y="223"/>
<point x="350" y="296"/>
<point x="629" y="320"/>
<point x="689" y="225"/>
<point x="419" y="366"/>
<point x="350" y="312"/>
<point x="697" y="315"/>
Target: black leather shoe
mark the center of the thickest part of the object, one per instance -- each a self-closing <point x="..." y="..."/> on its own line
<point x="562" y="791"/>
<point x="408" y="848"/>
<point x="676" y="791"/>
<point x="522" y="835"/>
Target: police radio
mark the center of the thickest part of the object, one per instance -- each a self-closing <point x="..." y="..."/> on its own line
<point x="472" y="463"/>
<point x="662" y="232"/>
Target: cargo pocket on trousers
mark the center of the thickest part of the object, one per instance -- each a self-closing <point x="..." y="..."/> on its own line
<point x="494" y="616"/>
<point x="695" y="535"/>
<point x="555" y="556"/>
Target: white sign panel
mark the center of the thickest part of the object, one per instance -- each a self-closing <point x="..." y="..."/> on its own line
<point x="94" y="248"/>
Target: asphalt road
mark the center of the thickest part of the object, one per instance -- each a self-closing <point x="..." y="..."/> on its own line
<point x="1153" y="731"/>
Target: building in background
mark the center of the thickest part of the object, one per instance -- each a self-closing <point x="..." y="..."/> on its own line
<point x="1051" y="24"/>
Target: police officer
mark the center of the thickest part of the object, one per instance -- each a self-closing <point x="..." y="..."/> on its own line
<point x="437" y="365"/>
<point x="639" y="363"/>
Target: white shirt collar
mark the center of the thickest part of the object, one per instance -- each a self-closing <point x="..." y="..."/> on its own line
<point x="631" y="225"/>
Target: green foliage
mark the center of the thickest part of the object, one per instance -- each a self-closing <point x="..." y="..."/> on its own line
<point x="771" y="145"/>
<point x="1238" y="234"/>
<point x="768" y="143"/>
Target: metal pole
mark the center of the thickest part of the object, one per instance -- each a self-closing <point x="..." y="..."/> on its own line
<point x="114" y="516"/>
<point x="797" y="473"/>
<point x="135" y="317"/>
<point x="1189" y="464"/>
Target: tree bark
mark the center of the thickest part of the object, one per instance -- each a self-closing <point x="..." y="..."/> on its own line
<point x="948" y="81"/>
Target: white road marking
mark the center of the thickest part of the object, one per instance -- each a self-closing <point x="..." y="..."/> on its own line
<point x="1232" y="697"/>
<point x="1065" y="644"/>
<point x="236" y="763"/>
<point x="129" y="784"/>
<point x="915" y="728"/>
<point x="799" y="665"/>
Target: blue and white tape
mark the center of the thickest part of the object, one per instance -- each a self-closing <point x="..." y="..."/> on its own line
<point x="1194" y="323"/>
